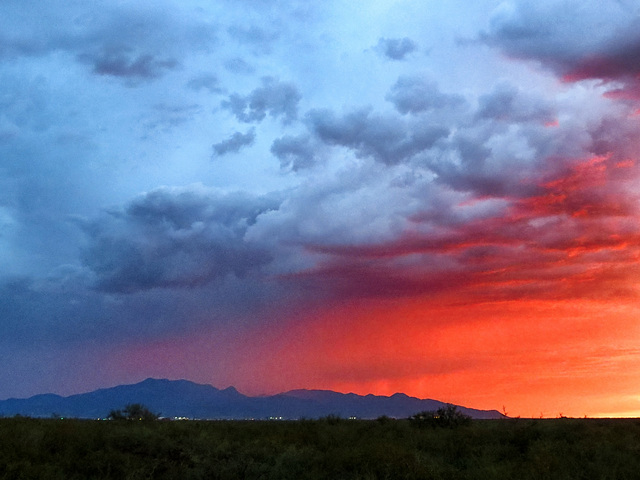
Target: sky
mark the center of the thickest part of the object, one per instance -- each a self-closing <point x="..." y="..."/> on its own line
<point x="435" y="198"/>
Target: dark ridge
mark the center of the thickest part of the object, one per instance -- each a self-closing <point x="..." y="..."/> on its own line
<point x="182" y="398"/>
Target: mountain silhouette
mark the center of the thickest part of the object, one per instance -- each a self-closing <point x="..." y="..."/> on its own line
<point x="183" y="398"/>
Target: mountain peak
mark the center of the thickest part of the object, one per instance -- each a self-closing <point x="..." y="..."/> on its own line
<point x="400" y="395"/>
<point x="152" y="381"/>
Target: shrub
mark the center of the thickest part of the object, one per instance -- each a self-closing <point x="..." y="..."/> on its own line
<point x="133" y="411"/>
<point x="447" y="417"/>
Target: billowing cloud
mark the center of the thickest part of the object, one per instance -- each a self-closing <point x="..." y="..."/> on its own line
<point x="275" y="98"/>
<point x="387" y="139"/>
<point x="601" y="42"/>
<point x="418" y="94"/>
<point x="235" y="142"/>
<point x="506" y="103"/>
<point x="175" y="238"/>
<point x="295" y="152"/>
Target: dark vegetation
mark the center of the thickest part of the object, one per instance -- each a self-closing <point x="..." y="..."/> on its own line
<point x="447" y="417"/>
<point x="332" y="448"/>
<point x="134" y="412"/>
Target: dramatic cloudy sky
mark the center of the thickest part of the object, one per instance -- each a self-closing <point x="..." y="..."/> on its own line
<point x="439" y="198"/>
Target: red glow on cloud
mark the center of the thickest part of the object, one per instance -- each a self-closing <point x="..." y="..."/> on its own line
<point x="592" y="67"/>
<point x="629" y="163"/>
<point x="584" y="191"/>
<point x="617" y="68"/>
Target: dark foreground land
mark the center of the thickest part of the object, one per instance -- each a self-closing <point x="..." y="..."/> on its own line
<point x="329" y="448"/>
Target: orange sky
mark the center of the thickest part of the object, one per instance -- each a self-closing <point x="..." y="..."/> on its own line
<point x="530" y="358"/>
<point x="572" y="357"/>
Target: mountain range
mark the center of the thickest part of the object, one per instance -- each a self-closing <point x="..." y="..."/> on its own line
<point x="183" y="398"/>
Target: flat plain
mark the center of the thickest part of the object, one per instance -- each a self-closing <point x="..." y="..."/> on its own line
<point x="329" y="448"/>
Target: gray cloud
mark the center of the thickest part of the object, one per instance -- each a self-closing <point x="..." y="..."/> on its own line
<point x="275" y="98"/>
<point x="506" y="103"/>
<point x="542" y="29"/>
<point x="295" y="152"/>
<point x="133" y="44"/>
<point x="494" y="155"/>
<point x="396" y="48"/>
<point x="122" y="64"/>
<point x="467" y="167"/>
<point x="235" y="142"/>
<point x="602" y="42"/>
<point x="414" y="94"/>
<point x="175" y="238"/>
<point x="385" y="138"/>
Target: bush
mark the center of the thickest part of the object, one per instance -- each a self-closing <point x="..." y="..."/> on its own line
<point x="133" y="411"/>
<point x="447" y="417"/>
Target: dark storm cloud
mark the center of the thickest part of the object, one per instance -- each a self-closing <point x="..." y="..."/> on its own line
<point x="414" y="94"/>
<point x="396" y="48"/>
<point x="175" y="238"/>
<point x="387" y="139"/>
<point x="603" y="42"/>
<point x="619" y="64"/>
<point x="275" y="98"/>
<point x="545" y="30"/>
<point x="235" y="143"/>
<point x="296" y="152"/>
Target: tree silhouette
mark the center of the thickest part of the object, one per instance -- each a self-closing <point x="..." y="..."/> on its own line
<point x="133" y="411"/>
<point x="448" y="417"/>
